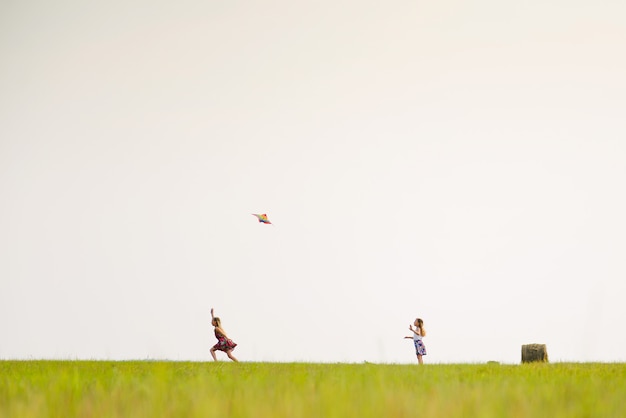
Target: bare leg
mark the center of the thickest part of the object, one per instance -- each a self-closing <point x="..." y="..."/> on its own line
<point x="213" y="354"/>
<point x="229" y="353"/>
<point x="419" y="359"/>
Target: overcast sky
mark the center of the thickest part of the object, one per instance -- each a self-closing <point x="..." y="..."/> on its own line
<point x="459" y="161"/>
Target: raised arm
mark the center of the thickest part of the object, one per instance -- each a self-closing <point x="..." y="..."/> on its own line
<point x="410" y="328"/>
<point x="212" y="317"/>
<point x="416" y="330"/>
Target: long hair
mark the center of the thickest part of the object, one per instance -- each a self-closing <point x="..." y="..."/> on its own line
<point x="217" y="322"/>
<point x="420" y="324"/>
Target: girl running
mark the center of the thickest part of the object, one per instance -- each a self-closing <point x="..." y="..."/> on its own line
<point x="224" y="343"/>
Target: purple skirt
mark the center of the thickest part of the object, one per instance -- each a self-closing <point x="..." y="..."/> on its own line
<point x="420" y="348"/>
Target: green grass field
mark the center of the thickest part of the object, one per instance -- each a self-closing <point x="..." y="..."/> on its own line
<point x="188" y="389"/>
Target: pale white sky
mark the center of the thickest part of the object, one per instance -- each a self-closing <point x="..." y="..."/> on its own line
<point x="460" y="161"/>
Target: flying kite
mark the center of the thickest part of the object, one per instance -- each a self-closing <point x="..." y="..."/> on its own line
<point x="262" y="218"/>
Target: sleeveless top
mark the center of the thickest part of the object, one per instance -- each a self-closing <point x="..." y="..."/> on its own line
<point x="417" y="337"/>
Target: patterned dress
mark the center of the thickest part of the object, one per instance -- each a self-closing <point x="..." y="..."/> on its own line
<point x="223" y="343"/>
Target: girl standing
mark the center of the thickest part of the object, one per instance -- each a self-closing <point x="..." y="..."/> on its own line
<point x="224" y="343"/>
<point x="418" y="333"/>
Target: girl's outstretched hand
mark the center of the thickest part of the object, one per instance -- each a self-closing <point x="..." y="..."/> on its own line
<point x="211" y="311"/>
